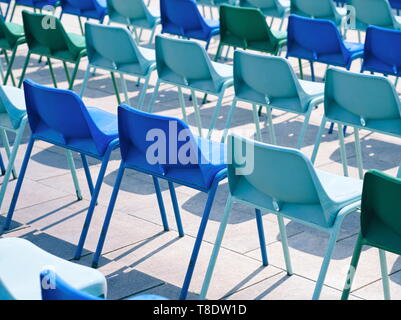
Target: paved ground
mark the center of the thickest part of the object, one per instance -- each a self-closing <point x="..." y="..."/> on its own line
<point x="140" y="257"/>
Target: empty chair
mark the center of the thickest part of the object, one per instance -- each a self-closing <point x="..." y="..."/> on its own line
<point x="35" y="4"/>
<point x="53" y="43"/>
<point x="113" y="49"/>
<point x="319" y="9"/>
<point x="55" y="288"/>
<point x="186" y="64"/>
<point x="59" y="117"/>
<point x="134" y="14"/>
<point x="283" y="182"/>
<point x="270" y="8"/>
<point x="318" y="40"/>
<point x="380" y="224"/>
<point x="246" y="28"/>
<point x="164" y="148"/>
<point x="21" y="265"/>
<point x="382" y="52"/>
<point x="363" y="102"/>
<point x="271" y="82"/>
<point x="11" y="37"/>
<point x="182" y="18"/>
<point x="89" y="9"/>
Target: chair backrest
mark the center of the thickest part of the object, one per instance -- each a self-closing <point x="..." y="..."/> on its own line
<point x="281" y="179"/>
<point x="267" y="80"/>
<point x="319" y="9"/>
<point x="125" y="11"/>
<point x="184" y="62"/>
<point x="359" y="98"/>
<point x="59" y="116"/>
<point x="381" y="207"/>
<point x="79" y="4"/>
<point x="396" y="4"/>
<point x="382" y="52"/>
<point x="373" y="12"/>
<point x="113" y="47"/>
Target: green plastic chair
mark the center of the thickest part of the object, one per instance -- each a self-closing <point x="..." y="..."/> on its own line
<point x="11" y="36"/>
<point x="13" y="119"/>
<point x="54" y="43"/>
<point x="271" y="82"/>
<point x="186" y="64"/>
<point x="283" y="181"/>
<point x="270" y="8"/>
<point x="380" y="224"/>
<point x="360" y="101"/>
<point x="134" y="14"/>
<point x="319" y="9"/>
<point x="114" y="49"/>
<point x="246" y="28"/>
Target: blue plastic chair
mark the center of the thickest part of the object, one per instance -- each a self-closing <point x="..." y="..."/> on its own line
<point x="361" y="101"/>
<point x="89" y="9"/>
<point x="35" y="4"/>
<point x="192" y="162"/>
<point x="114" y="49"/>
<point x="182" y="18"/>
<point x="283" y="182"/>
<point x="21" y="263"/>
<point x="60" y="117"/>
<point x="271" y="82"/>
<point x="382" y="52"/>
<point x="319" y="40"/>
<point x="55" y="288"/>
<point x="134" y="14"/>
<point x="186" y="64"/>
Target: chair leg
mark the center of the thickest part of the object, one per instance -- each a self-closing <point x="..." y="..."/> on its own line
<point x="262" y="240"/>
<point x="216" y="114"/>
<point x="161" y="204"/>
<point x="281" y="24"/>
<point x="141" y="102"/>
<point x="273" y="139"/>
<point x="108" y="216"/>
<point x="125" y="89"/>
<point x="85" y="82"/>
<point x="13" y="11"/>
<point x="197" y="113"/>
<point x="67" y="74"/>
<point x="257" y="123"/>
<point x="80" y="25"/>
<point x="216" y="248"/>
<point x="154" y="96"/>
<point x="312" y="71"/>
<point x="229" y="119"/>
<point x="218" y="53"/>
<point x="152" y="36"/>
<point x="2" y="168"/>
<point x="74" y="75"/>
<point x="71" y="165"/>
<point x="6" y="144"/>
<point x="10" y="67"/>
<point x="176" y="209"/>
<point x="301" y="72"/>
<point x="28" y="57"/>
<point x="343" y="151"/>
<point x="358" y="152"/>
<point x="303" y="129"/>
<point x="19" y="183"/>
<point x="113" y="79"/>
<point x="87" y="173"/>
<point x="198" y="241"/>
<point x="384" y="272"/>
<point x="93" y="202"/>
<point x="284" y="243"/>
<point x="52" y="72"/>
<point x="182" y="104"/>
<point x="318" y="139"/>
<point x="352" y="269"/>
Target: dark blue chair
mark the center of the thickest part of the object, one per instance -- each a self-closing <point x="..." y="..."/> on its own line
<point x="382" y="51"/>
<point x="182" y="18"/>
<point x="36" y="4"/>
<point x="90" y="9"/>
<point x="55" y="288"/>
<point x="60" y="117"/>
<point x="202" y="169"/>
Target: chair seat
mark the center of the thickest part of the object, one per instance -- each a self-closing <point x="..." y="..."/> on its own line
<point x="312" y="88"/>
<point x="21" y="263"/>
<point x="354" y="48"/>
<point x="214" y="24"/>
<point x="16" y="29"/>
<point x="78" y="40"/>
<point x="279" y="34"/>
<point x="106" y="122"/>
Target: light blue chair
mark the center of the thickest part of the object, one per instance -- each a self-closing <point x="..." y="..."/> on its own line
<point x="271" y="82"/>
<point x="283" y="181"/>
<point x="134" y="14"/>
<point x="361" y="101"/>
<point x="59" y="117"/>
<point x="21" y="263"/>
<point x="114" y="49"/>
<point x="182" y="159"/>
<point x="185" y="64"/>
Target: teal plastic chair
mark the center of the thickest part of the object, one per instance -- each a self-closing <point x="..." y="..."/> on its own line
<point x="319" y="9"/>
<point x="21" y="263"/>
<point x="270" y="8"/>
<point x="283" y="181"/>
<point x="380" y="224"/>
<point x="185" y="64"/>
<point x="114" y="49"/>
<point x="271" y="82"/>
<point x="13" y="119"/>
<point x="360" y="101"/>
<point x="134" y="14"/>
